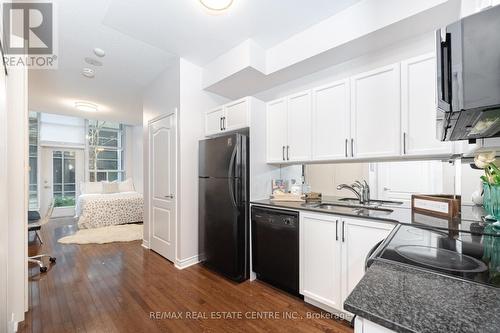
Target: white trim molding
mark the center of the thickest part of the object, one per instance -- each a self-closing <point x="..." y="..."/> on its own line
<point x="145" y="244"/>
<point x="185" y="263"/>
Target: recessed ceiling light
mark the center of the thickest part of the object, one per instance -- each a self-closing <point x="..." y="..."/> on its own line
<point x="86" y="106"/>
<point x="216" y="5"/>
<point x="99" y="52"/>
<point x="92" y="61"/>
<point x="88" y="72"/>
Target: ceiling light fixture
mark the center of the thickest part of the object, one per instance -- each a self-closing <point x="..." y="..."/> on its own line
<point x="92" y="61"/>
<point x="216" y="5"/>
<point x="86" y="106"/>
<point x="88" y="72"/>
<point x="99" y="52"/>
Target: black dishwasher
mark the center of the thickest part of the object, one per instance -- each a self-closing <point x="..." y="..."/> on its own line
<point x="275" y="247"/>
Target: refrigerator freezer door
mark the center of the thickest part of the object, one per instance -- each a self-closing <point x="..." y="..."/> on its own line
<point x="217" y="154"/>
<point x="222" y="228"/>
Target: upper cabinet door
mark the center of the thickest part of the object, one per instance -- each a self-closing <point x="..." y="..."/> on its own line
<point x="418" y="102"/>
<point x="376" y="113"/>
<point x="276" y="130"/>
<point x="331" y="121"/>
<point x="299" y="127"/>
<point x="214" y="121"/>
<point x="237" y="114"/>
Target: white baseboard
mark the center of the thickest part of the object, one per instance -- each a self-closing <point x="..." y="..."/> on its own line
<point x="185" y="263"/>
<point x="12" y="325"/>
<point x="145" y="244"/>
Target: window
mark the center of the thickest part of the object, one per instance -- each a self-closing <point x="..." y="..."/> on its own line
<point x="63" y="173"/>
<point x="33" y="161"/>
<point x="105" y="151"/>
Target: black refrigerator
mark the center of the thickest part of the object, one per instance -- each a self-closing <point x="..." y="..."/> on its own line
<point x="224" y="205"/>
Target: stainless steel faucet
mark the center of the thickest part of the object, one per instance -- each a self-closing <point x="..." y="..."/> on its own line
<point x="352" y="189"/>
<point x="362" y="192"/>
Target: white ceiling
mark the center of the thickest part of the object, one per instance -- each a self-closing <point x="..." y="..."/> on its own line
<point x="143" y="37"/>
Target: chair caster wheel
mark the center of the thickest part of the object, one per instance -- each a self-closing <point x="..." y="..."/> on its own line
<point x="52" y="259"/>
<point x="43" y="269"/>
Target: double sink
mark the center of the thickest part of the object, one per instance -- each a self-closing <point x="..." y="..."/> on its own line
<point x="352" y="206"/>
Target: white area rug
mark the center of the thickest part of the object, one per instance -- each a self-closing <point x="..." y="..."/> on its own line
<point x="110" y="234"/>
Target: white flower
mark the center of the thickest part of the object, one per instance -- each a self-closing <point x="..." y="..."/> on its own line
<point x="481" y="160"/>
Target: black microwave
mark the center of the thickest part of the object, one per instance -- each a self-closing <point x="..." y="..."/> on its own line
<point x="468" y="77"/>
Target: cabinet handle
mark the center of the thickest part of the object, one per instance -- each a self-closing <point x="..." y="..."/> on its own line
<point x="223" y="123"/>
<point x="343" y="236"/>
<point x="404" y="143"/>
<point x="336" y="230"/>
<point x="283" y="153"/>
<point x="346" y="140"/>
<point x="288" y="153"/>
<point x="352" y="147"/>
<point x="220" y="123"/>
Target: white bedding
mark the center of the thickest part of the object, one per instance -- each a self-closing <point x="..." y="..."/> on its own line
<point x="99" y="210"/>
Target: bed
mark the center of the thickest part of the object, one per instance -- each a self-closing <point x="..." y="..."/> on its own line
<point x="97" y="207"/>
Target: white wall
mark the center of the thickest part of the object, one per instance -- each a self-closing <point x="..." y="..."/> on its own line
<point x="4" y="195"/>
<point x="159" y="97"/>
<point x="17" y="173"/>
<point x="137" y="158"/>
<point x="194" y="101"/>
<point x="133" y="156"/>
<point x="180" y="86"/>
<point x="409" y="48"/>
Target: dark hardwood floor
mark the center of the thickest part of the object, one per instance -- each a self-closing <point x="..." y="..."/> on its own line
<point x="115" y="288"/>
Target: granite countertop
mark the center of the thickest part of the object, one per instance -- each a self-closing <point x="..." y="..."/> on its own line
<point x="471" y="219"/>
<point x="407" y="299"/>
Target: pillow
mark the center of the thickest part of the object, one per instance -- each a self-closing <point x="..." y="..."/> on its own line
<point x="126" y="186"/>
<point x="108" y="187"/>
<point x="91" y="188"/>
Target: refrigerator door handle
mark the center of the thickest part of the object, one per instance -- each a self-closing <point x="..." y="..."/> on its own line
<point x="231" y="176"/>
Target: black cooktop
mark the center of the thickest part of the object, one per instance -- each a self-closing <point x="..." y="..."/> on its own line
<point x="465" y="255"/>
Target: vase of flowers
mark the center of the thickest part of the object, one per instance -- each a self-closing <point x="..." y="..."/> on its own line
<point x="491" y="190"/>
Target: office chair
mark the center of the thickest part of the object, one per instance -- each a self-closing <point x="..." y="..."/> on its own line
<point x="36" y="226"/>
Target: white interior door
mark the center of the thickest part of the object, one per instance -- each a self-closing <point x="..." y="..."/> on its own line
<point x="162" y="187"/>
<point x="62" y="171"/>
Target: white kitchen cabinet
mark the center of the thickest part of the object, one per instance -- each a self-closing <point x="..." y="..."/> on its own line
<point x="333" y="250"/>
<point x="237" y="114"/>
<point x="213" y="121"/>
<point x="277" y="130"/>
<point x="331" y="121"/>
<point x="319" y="259"/>
<point x="359" y="236"/>
<point x="418" y="108"/>
<point x="362" y="325"/>
<point x="375" y="112"/>
<point x="289" y="129"/>
<point x="299" y="127"/>
<point x="230" y="117"/>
